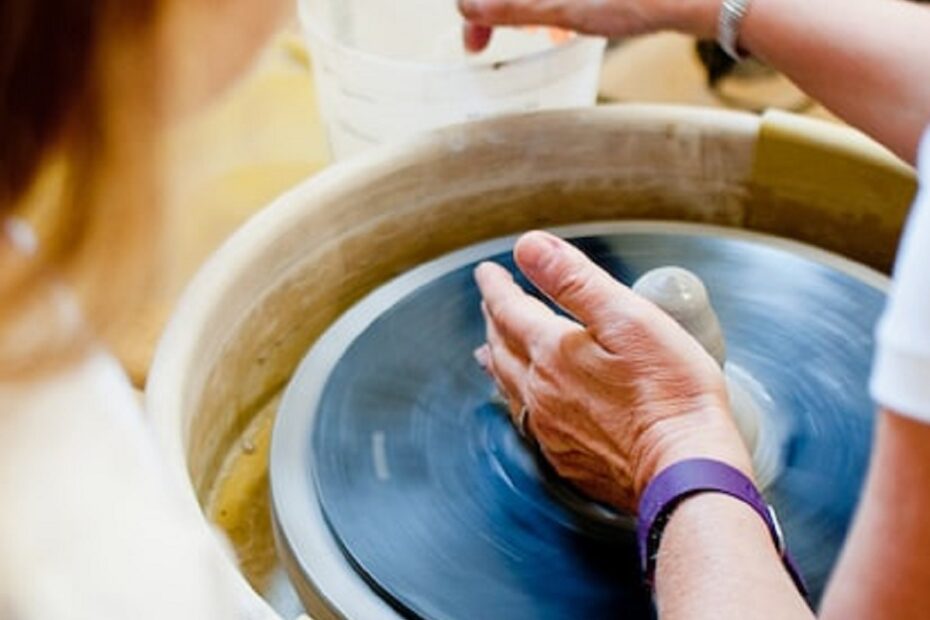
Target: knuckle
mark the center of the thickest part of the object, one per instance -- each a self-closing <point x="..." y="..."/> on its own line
<point x="635" y="321"/>
<point x="546" y="352"/>
<point x="571" y="345"/>
<point x="570" y="283"/>
<point x="467" y="8"/>
<point x="501" y="321"/>
<point x="538" y="386"/>
<point x="500" y="10"/>
<point x="544" y="382"/>
<point x="492" y="307"/>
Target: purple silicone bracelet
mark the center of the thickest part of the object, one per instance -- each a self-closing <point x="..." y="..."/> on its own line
<point x="690" y="477"/>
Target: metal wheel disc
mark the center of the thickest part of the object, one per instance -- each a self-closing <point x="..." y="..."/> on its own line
<point x="400" y="489"/>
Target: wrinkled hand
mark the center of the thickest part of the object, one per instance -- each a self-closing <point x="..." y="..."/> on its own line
<point x="612" y="18"/>
<point x="613" y="398"/>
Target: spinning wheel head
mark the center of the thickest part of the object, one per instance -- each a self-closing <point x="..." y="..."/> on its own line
<point x="400" y="489"/>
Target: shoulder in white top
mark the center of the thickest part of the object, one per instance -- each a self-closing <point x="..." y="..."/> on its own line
<point x="901" y="374"/>
<point x="92" y="526"/>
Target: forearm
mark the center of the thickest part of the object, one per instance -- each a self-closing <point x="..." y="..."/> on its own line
<point x="883" y="571"/>
<point x="866" y="60"/>
<point x="717" y="561"/>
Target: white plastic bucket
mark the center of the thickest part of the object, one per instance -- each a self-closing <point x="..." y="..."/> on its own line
<point x="388" y="69"/>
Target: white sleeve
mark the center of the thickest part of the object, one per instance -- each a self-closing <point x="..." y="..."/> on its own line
<point x="901" y="375"/>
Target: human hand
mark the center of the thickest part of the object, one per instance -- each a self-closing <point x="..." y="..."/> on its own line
<point x="611" y="18"/>
<point x="613" y="398"/>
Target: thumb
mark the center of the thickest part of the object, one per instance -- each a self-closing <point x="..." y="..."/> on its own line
<point x="581" y="288"/>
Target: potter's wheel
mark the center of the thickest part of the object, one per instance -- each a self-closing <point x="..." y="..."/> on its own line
<point x="400" y="489"/>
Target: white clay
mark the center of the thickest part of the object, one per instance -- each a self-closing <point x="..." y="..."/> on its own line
<point x="683" y="296"/>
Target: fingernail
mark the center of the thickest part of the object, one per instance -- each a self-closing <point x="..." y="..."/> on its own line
<point x="535" y="248"/>
<point x="476" y="38"/>
<point x="481" y="355"/>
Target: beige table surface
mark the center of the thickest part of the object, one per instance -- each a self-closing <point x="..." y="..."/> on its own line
<point x="264" y="135"/>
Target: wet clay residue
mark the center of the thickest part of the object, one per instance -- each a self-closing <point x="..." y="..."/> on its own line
<point x="239" y="501"/>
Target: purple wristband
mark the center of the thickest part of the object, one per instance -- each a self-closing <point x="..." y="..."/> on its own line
<point x="690" y="477"/>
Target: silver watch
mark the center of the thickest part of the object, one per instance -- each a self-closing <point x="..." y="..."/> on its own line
<point x="731" y="17"/>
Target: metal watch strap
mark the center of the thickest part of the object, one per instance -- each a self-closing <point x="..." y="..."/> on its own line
<point x="690" y="477"/>
<point x="729" y="22"/>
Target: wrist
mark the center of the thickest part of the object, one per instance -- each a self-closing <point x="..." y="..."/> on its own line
<point x="682" y="481"/>
<point x="694" y="17"/>
<point x="676" y="484"/>
<point x="708" y="433"/>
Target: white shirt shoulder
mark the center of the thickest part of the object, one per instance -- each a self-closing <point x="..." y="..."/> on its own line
<point x="901" y="374"/>
<point x="92" y="526"/>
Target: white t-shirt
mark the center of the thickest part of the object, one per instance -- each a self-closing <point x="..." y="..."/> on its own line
<point x="901" y="375"/>
<point x="91" y="525"/>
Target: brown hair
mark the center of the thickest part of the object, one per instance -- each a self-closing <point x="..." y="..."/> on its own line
<point x="78" y="85"/>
